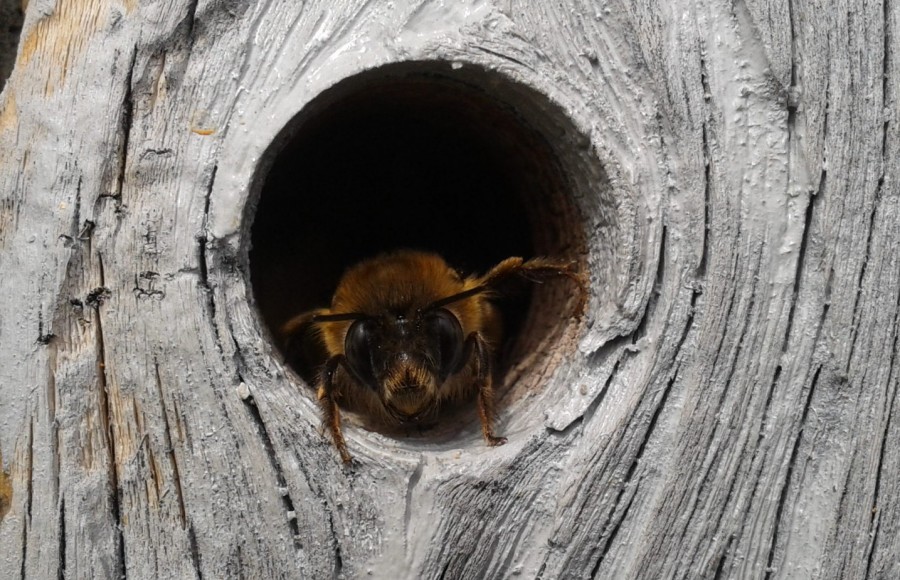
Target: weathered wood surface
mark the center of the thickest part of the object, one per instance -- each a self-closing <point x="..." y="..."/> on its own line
<point x="731" y="411"/>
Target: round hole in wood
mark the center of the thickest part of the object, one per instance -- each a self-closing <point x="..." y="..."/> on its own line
<point x="457" y="160"/>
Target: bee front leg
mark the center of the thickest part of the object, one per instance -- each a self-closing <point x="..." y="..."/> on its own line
<point x="477" y="348"/>
<point x="330" y="412"/>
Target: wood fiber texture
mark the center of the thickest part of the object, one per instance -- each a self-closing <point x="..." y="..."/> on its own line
<point x="730" y="411"/>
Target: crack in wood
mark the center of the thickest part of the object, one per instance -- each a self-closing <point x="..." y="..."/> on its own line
<point x="792" y="462"/>
<point x="811" y="202"/>
<point x="588" y="414"/>
<point x="648" y="434"/>
<point x="716" y="455"/>
<point x="707" y="192"/>
<point x="617" y="525"/>
<point x="611" y="532"/>
<point x="653" y="300"/>
<point x="891" y="397"/>
<point x="203" y="261"/>
<point x="505" y="57"/>
<point x="195" y="552"/>
<point x="338" y="557"/>
<point x="410" y="486"/>
<point x="95" y="299"/>
<point x="856" y="315"/>
<point x="191" y="19"/>
<point x="170" y="449"/>
<point x="29" y="495"/>
<point x="793" y="30"/>
<point x="682" y="340"/>
<point x="729" y="497"/>
<point x="720" y="567"/>
<point x="275" y="463"/>
<point x="125" y="127"/>
<point x="770" y="393"/>
<point x="61" y="570"/>
<point x="591" y="409"/>
<point x="55" y="443"/>
<point x="326" y="506"/>
<point x="76" y="212"/>
<point x="747" y="318"/>
<point x="879" y="190"/>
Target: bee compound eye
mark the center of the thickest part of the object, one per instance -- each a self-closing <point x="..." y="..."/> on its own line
<point x="446" y="334"/>
<point x="358" y="351"/>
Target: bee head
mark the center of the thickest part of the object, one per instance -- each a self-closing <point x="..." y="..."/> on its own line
<point x="405" y="358"/>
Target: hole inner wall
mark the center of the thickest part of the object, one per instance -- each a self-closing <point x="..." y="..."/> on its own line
<point x="423" y="159"/>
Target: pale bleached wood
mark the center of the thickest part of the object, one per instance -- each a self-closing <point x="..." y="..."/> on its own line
<point x="731" y="408"/>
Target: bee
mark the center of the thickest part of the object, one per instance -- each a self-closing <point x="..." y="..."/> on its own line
<point x="406" y="333"/>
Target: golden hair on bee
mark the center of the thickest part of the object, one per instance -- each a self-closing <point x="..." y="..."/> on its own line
<point x="405" y="333"/>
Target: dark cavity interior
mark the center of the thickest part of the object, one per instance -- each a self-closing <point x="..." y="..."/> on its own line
<point x="410" y="158"/>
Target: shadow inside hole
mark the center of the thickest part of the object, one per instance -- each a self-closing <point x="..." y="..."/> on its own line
<point x="11" y="17"/>
<point x="417" y="161"/>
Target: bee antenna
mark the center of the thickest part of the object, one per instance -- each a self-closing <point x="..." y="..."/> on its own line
<point x="340" y="317"/>
<point x="456" y="297"/>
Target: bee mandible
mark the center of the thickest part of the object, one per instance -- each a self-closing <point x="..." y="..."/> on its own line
<point x="406" y="332"/>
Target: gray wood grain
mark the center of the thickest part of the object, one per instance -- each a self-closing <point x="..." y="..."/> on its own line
<point x="727" y="408"/>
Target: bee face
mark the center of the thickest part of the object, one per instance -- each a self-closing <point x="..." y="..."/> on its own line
<point x="405" y="358"/>
<point x="405" y="332"/>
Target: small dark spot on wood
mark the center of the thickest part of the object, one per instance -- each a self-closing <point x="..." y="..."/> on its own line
<point x="229" y="263"/>
<point x="97" y="296"/>
<point x="43" y="338"/>
<point x="87" y="230"/>
<point x="157" y="152"/>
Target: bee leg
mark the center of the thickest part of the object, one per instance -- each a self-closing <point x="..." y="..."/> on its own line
<point x="536" y="270"/>
<point x="477" y="347"/>
<point x="330" y="412"/>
